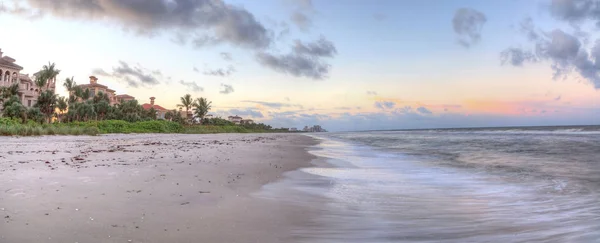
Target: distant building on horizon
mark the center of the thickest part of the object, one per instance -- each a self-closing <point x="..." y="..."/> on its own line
<point x="235" y="119"/>
<point x="315" y="128"/>
<point x="247" y="121"/>
<point x="238" y="120"/>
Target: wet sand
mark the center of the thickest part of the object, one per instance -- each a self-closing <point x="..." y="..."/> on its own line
<point x="147" y="188"/>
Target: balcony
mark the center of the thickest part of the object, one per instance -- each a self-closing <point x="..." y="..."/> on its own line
<point x="27" y="92"/>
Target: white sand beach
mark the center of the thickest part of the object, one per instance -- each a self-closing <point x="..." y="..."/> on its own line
<point x="146" y="188"/>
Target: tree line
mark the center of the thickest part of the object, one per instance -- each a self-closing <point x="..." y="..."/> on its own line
<point x="83" y="105"/>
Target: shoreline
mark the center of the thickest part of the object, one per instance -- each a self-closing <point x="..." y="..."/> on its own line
<point x="148" y="187"/>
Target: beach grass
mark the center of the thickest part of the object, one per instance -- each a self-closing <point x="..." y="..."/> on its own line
<point x="10" y="127"/>
<point x="207" y="129"/>
<point x="40" y="130"/>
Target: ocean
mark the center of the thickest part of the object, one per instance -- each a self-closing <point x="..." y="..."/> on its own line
<point x="534" y="184"/>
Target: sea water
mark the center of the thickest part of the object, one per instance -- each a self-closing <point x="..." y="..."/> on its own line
<point x="539" y="184"/>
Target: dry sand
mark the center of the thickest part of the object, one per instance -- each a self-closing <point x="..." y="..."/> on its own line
<point x="147" y="188"/>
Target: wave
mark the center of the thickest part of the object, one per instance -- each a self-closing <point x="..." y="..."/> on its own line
<point x="382" y="194"/>
<point x="591" y="129"/>
<point x="520" y="131"/>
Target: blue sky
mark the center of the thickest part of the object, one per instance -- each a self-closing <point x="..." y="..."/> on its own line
<point x="405" y="53"/>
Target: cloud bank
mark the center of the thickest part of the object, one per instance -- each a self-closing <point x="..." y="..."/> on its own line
<point x="467" y="24"/>
<point x="197" y="18"/>
<point x="384" y="105"/>
<point x="220" y="72"/>
<point x="301" y="15"/>
<point x="305" y="60"/>
<point x="133" y="76"/>
<point x="566" y="52"/>
<point x="198" y="22"/>
<point x="191" y="86"/>
<point x="227" y="89"/>
<point x="275" y="105"/>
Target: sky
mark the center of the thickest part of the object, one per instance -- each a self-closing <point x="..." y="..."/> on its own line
<point x="345" y="65"/>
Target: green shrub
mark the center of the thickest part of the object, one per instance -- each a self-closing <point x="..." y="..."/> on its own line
<point x="152" y="126"/>
<point x="10" y="127"/>
<point x="51" y="130"/>
<point x="37" y="131"/>
<point x="92" y="131"/>
<point x="9" y="121"/>
<point x="218" y="129"/>
<point x="75" y="131"/>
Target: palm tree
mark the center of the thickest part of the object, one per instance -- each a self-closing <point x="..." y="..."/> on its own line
<point x="169" y="115"/>
<point x="77" y="93"/>
<point x="201" y="107"/>
<point x="85" y="95"/>
<point x="7" y="92"/>
<point x="69" y="84"/>
<point x="62" y="105"/>
<point x="50" y="72"/>
<point x="186" y="102"/>
<point x="101" y="96"/>
<point x="40" y="81"/>
<point x="86" y="110"/>
<point x="102" y="108"/>
<point x="47" y="103"/>
<point x="72" y="88"/>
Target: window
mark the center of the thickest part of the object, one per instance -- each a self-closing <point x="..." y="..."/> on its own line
<point x="29" y="103"/>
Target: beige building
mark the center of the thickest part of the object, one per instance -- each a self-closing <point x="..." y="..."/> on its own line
<point x="96" y="88"/>
<point x="160" y="111"/>
<point x="28" y="91"/>
<point x="189" y="115"/>
<point x="247" y="121"/>
<point x="235" y="119"/>
<point x="10" y="73"/>
<point x="124" y="97"/>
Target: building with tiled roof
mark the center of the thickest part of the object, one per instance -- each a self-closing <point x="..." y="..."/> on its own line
<point x="124" y="97"/>
<point x="160" y="111"/>
<point x="10" y="73"/>
<point x="9" y="63"/>
<point x="96" y="88"/>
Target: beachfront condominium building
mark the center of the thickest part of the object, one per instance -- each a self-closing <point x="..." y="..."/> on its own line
<point x="247" y="121"/>
<point x="95" y="88"/>
<point x="124" y="98"/>
<point x="28" y="91"/>
<point x="186" y="114"/>
<point x="235" y="119"/>
<point x="10" y="74"/>
<point x="315" y="128"/>
<point x="160" y="111"/>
